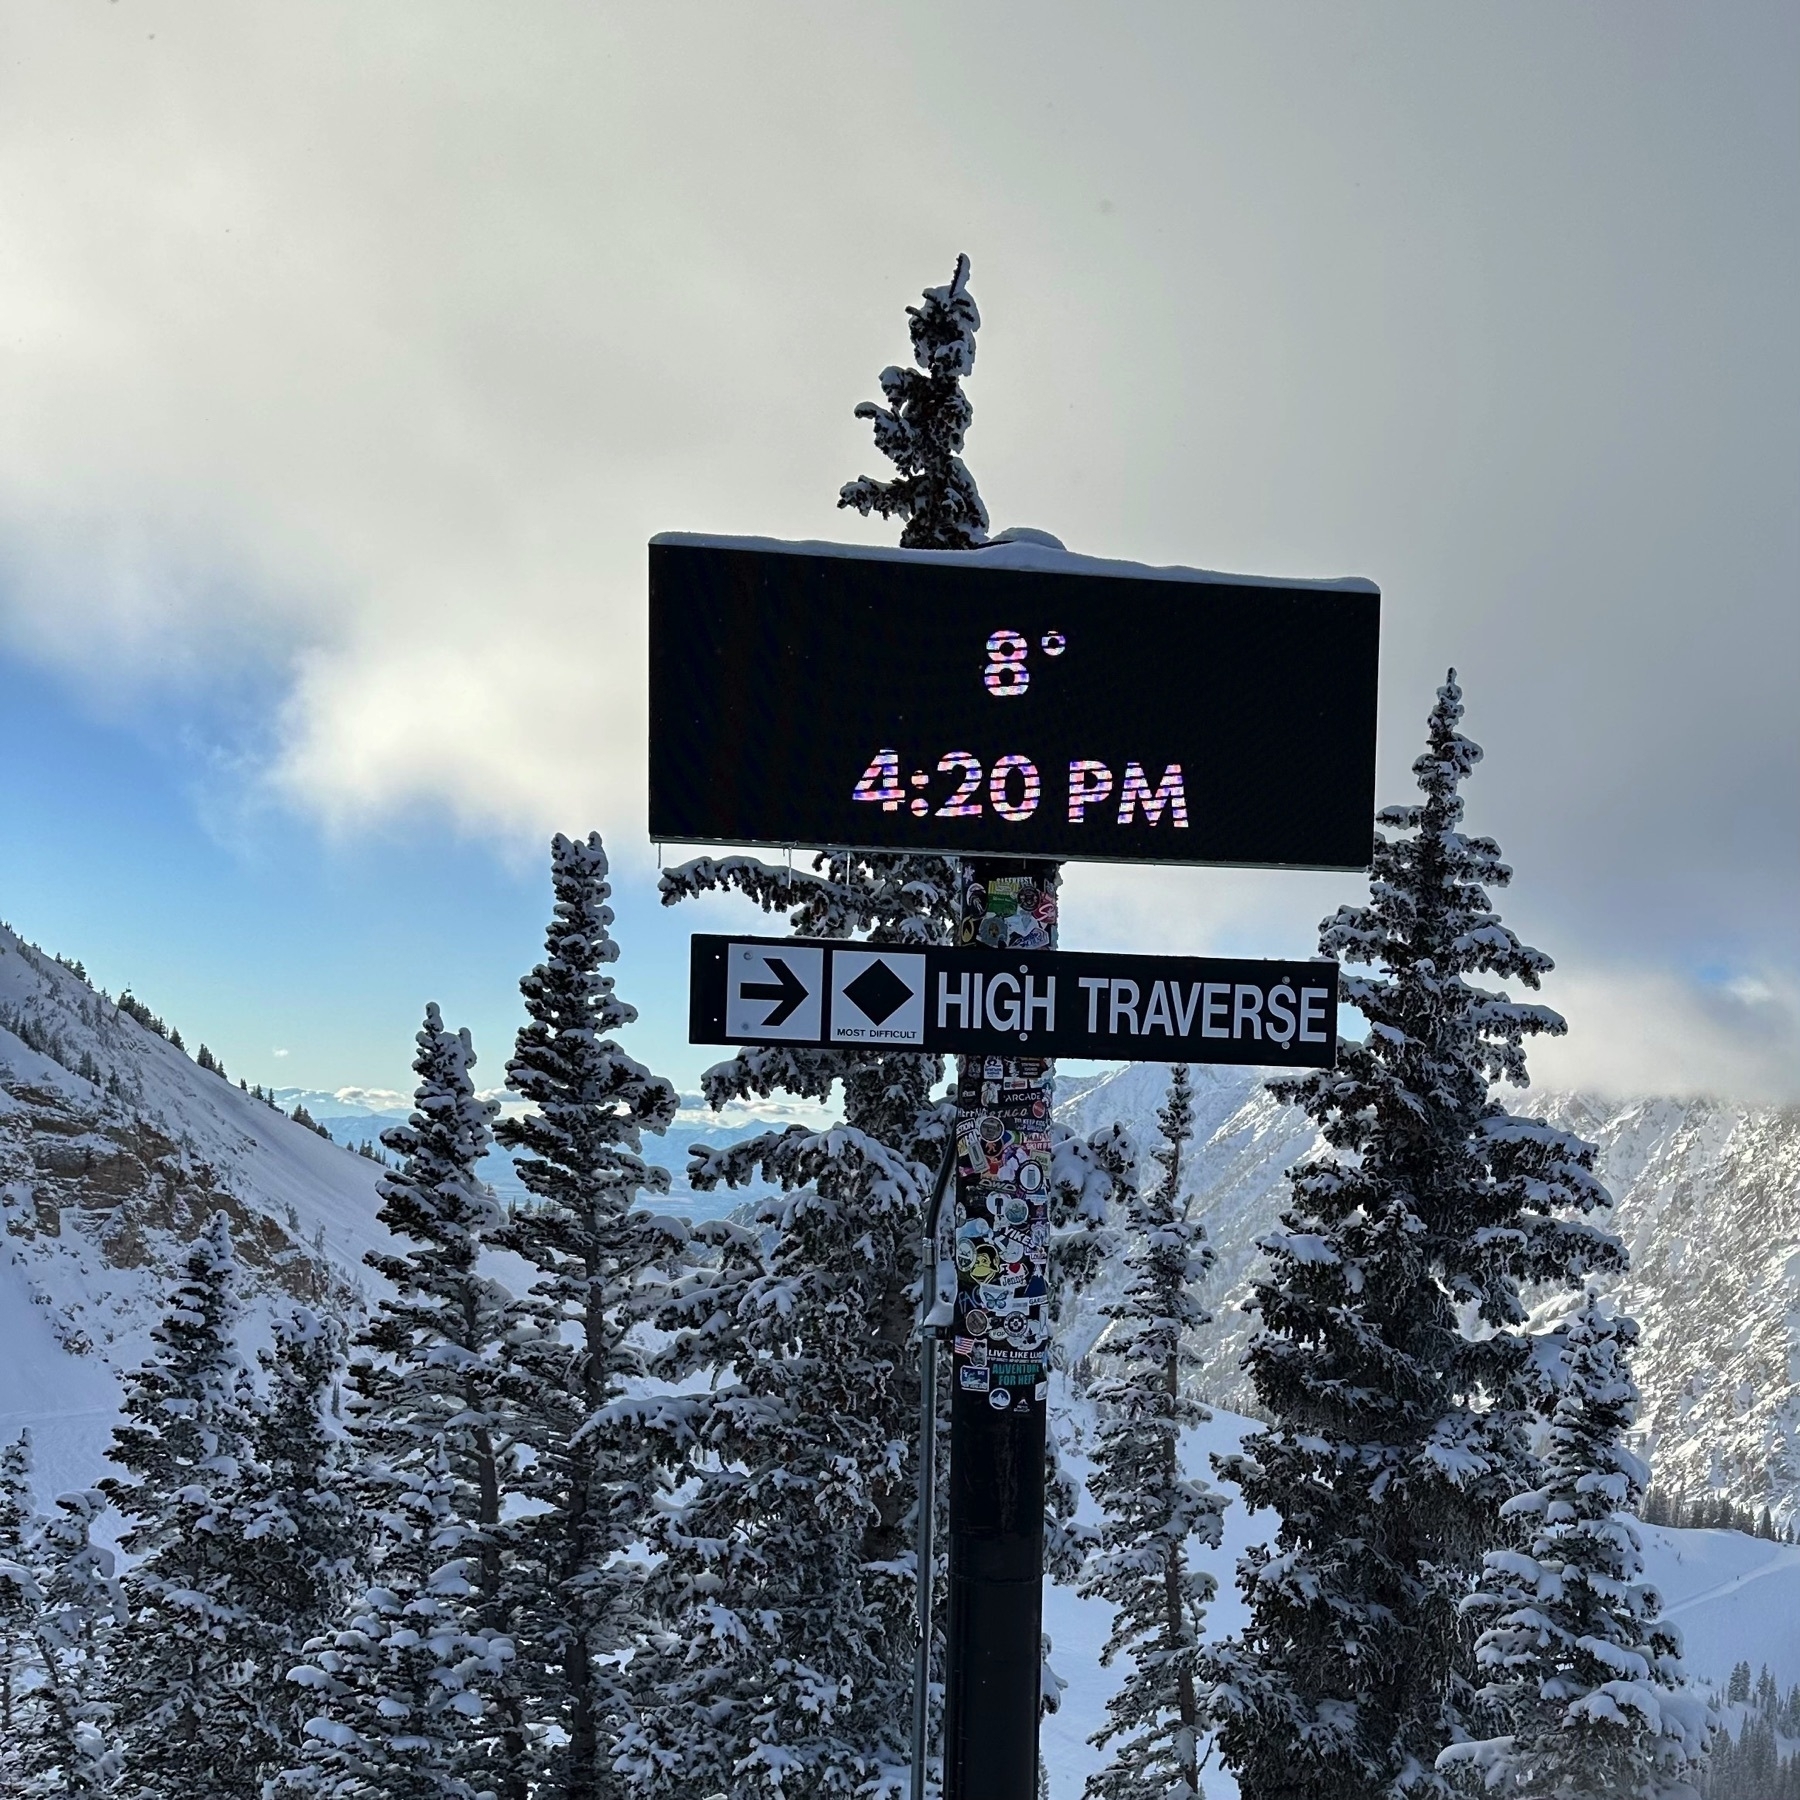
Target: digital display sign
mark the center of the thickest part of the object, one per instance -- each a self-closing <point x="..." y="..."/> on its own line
<point x="1008" y="702"/>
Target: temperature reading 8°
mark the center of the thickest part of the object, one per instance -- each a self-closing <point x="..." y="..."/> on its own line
<point x="1007" y="675"/>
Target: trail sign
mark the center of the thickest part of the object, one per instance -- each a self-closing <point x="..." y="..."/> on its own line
<point x="1015" y="701"/>
<point x="981" y="1002"/>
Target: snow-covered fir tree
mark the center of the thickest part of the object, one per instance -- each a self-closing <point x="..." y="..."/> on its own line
<point x="1092" y="1185"/>
<point x="68" y="1752"/>
<point x="1584" y="1675"/>
<point x="17" y="1588"/>
<point x="787" y="1586"/>
<point x="297" y="1511"/>
<point x="1156" y="1515"/>
<point x="1392" y="1355"/>
<point x="196" y="1710"/>
<point x="18" y="1604"/>
<point x="922" y="427"/>
<point x="786" y="1590"/>
<point x="399" y="1689"/>
<point x="422" y="1686"/>
<point x="595" y="1473"/>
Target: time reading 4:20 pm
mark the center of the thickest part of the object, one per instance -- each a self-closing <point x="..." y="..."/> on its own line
<point x="1014" y="787"/>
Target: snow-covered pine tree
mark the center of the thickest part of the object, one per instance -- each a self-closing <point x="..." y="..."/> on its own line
<point x="787" y="1587"/>
<point x="1092" y="1185"/>
<point x="1584" y="1675"/>
<point x="579" y="1369"/>
<point x="399" y="1690"/>
<point x="68" y="1753"/>
<point x="191" y="1702"/>
<point x="1156" y="1515"/>
<point x="421" y="1686"/>
<point x="1392" y="1355"/>
<point x="18" y="1603"/>
<point x="922" y="427"/>
<point x="297" y="1513"/>
<point x="788" y="1580"/>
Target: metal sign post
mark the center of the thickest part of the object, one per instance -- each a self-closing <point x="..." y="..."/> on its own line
<point x="999" y="1389"/>
<point x="937" y="1310"/>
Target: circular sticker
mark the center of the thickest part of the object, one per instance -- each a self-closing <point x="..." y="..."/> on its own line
<point x="999" y="1399"/>
<point x="977" y="1321"/>
<point x="1016" y="1326"/>
<point x="1031" y="1177"/>
<point x="1017" y="1210"/>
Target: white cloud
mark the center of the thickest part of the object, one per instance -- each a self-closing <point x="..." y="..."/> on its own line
<point x="1644" y="1031"/>
<point x="362" y="349"/>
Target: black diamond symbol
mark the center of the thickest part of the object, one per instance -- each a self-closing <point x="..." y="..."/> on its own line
<point x="878" y="992"/>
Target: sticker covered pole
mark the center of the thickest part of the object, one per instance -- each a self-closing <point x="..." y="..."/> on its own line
<point x="998" y="1385"/>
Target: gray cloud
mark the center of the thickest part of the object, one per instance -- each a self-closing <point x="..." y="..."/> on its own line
<point x="370" y="345"/>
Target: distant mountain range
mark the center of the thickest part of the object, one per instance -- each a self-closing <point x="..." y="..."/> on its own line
<point x="355" y="1116"/>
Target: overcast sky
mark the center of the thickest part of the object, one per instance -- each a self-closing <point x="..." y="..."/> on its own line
<point x="349" y="354"/>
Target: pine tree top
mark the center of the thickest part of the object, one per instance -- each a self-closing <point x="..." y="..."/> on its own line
<point x="592" y="1102"/>
<point x="186" y="1408"/>
<point x="922" y="427"/>
<point x="435" y="1198"/>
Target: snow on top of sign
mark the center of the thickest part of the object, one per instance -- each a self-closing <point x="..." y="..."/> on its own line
<point x="1036" y="554"/>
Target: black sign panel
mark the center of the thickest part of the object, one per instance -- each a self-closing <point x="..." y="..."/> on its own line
<point x="998" y="1003"/>
<point x="941" y="701"/>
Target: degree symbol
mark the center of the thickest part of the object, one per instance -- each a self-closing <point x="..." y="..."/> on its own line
<point x="1054" y="643"/>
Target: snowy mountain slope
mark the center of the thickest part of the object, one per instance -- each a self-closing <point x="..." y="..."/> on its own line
<point x="1709" y="1203"/>
<point x="1734" y="1597"/>
<point x="1708" y="1200"/>
<point x="115" y="1148"/>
